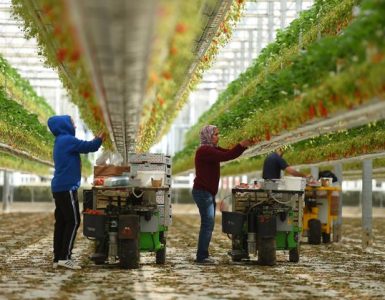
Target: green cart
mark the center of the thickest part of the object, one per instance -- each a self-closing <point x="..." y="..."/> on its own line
<point x="263" y="221"/>
<point x="124" y="221"/>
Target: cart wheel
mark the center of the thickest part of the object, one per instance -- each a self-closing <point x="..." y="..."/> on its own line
<point x="314" y="236"/>
<point x="160" y="257"/>
<point x="266" y="251"/>
<point x="325" y="237"/>
<point x="101" y="252"/>
<point x="129" y="254"/>
<point x="294" y="255"/>
<point x="99" y="261"/>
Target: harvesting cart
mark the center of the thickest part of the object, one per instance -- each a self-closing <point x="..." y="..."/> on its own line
<point x="264" y="220"/>
<point x="320" y="212"/>
<point x="131" y="216"/>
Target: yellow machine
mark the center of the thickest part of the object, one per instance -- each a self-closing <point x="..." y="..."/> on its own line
<point x="319" y="213"/>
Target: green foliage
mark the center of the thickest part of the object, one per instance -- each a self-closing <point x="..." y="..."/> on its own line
<point x="362" y="140"/>
<point x="325" y="18"/>
<point x="22" y="92"/>
<point x="22" y="130"/>
<point x="14" y="162"/>
<point x="332" y="75"/>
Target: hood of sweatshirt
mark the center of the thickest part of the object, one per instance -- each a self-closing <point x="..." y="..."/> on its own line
<point x="61" y="125"/>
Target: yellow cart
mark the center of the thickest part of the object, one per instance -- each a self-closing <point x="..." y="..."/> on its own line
<point x="320" y="212"/>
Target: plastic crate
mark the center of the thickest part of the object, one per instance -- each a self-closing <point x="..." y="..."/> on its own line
<point x="232" y="222"/>
<point x="94" y="225"/>
<point x="156" y="158"/>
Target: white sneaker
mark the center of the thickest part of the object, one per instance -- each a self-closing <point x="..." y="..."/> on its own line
<point x="54" y="265"/>
<point x="70" y="264"/>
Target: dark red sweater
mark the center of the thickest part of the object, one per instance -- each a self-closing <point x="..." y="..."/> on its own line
<point x="207" y="165"/>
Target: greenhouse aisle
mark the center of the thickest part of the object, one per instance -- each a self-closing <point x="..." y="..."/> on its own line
<point x="339" y="270"/>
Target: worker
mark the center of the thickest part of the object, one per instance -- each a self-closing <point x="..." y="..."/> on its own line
<point x="64" y="185"/>
<point x="207" y="167"/>
<point x="274" y="164"/>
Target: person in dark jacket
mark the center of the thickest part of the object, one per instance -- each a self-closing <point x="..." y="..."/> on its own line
<point x="64" y="185"/>
<point x="274" y="164"/>
<point x="207" y="168"/>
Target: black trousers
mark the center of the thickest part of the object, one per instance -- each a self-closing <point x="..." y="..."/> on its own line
<point x="67" y="222"/>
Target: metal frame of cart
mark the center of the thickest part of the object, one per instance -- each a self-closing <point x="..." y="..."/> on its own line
<point x="125" y="221"/>
<point x="263" y="221"/>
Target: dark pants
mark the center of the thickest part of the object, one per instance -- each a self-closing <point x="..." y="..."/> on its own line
<point x="206" y="205"/>
<point x="67" y="222"/>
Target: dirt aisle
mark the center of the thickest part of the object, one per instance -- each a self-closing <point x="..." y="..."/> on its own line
<point x="340" y="270"/>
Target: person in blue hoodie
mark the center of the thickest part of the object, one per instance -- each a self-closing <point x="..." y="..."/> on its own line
<point x="65" y="183"/>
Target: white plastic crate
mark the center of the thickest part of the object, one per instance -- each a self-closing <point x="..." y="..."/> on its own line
<point x="156" y="158"/>
<point x="151" y="167"/>
<point x="291" y="183"/>
<point x="163" y="197"/>
<point x="165" y="214"/>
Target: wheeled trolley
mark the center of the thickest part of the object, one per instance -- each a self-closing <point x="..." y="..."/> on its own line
<point x="125" y="221"/>
<point x="263" y="221"/>
<point x="320" y="212"/>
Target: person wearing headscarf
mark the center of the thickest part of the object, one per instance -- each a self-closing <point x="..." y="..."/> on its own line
<point x="207" y="168"/>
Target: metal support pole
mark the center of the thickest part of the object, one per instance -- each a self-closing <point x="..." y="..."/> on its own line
<point x="367" y="237"/>
<point x="259" y="34"/>
<point x="5" y="196"/>
<point x="314" y="170"/>
<point x="337" y="224"/>
<point x="283" y="13"/>
<point x="270" y="21"/>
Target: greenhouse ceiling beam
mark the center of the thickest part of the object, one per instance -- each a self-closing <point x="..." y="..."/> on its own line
<point x="371" y="112"/>
<point x="343" y="160"/>
<point x="359" y="172"/>
<point x="11" y="150"/>
<point x="116" y="39"/>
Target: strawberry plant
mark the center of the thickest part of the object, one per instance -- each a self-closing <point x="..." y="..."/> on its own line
<point x="302" y="91"/>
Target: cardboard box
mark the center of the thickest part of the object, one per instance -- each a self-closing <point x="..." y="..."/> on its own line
<point x="110" y="170"/>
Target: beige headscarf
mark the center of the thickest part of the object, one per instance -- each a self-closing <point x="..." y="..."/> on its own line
<point x="206" y="135"/>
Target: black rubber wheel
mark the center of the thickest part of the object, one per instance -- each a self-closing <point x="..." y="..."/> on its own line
<point x="236" y="258"/>
<point x="266" y="251"/>
<point x="325" y="237"/>
<point x="314" y="235"/>
<point x="99" y="261"/>
<point x="160" y="256"/>
<point x="101" y="252"/>
<point x="294" y="255"/>
<point x="129" y="254"/>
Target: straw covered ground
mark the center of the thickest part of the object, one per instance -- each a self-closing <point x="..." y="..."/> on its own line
<point x="329" y="271"/>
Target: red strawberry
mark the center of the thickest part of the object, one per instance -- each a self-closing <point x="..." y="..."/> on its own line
<point x="322" y="109"/>
<point x="311" y="111"/>
<point x="181" y="27"/>
<point x="267" y="134"/>
<point x="75" y="55"/>
<point x="61" y="54"/>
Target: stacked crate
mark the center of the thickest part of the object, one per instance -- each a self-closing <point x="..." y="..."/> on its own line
<point x="156" y="162"/>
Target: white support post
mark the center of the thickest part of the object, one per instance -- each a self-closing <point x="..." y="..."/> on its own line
<point x="314" y="170"/>
<point x="5" y="196"/>
<point x="270" y="21"/>
<point x="367" y="170"/>
<point x="337" y="225"/>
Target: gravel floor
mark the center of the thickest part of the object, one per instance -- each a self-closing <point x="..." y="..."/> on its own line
<point x="339" y="271"/>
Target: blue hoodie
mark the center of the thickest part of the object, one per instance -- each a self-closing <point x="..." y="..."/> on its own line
<point x="66" y="153"/>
